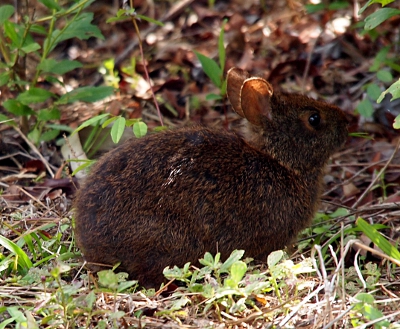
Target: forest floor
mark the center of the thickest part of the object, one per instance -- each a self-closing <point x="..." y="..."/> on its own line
<point x="324" y="52"/>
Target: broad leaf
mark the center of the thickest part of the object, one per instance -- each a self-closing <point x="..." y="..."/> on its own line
<point x="211" y="68"/>
<point x="17" y="108"/>
<point x="52" y="66"/>
<point x="30" y="48"/>
<point x="34" y="95"/>
<point x="379" y="17"/>
<point x="394" y="89"/>
<point x="86" y="94"/>
<point x="49" y="114"/>
<point x="365" y="108"/>
<point x="4" y="78"/>
<point x="396" y="123"/>
<point x="384" y="76"/>
<point x="117" y="129"/>
<point x="49" y="135"/>
<point x="51" y="4"/>
<point x="80" y="28"/>
<point x="140" y="129"/>
<point x="5" y="13"/>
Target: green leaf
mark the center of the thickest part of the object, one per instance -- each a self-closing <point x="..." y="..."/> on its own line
<point x="16" y="314"/>
<point x="51" y="4"/>
<point x="396" y="123"/>
<point x="91" y="122"/>
<point x="52" y="66"/>
<point x="5" y="13"/>
<point x="394" y="89"/>
<point x="117" y="19"/>
<point x="208" y="260"/>
<point x="314" y="8"/>
<point x="379" y="59"/>
<point x="211" y="68"/>
<point x="108" y="279"/>
<point x="213" y="97"/>
<point x="49" y="135"/>
<point x="108" y="121"/>
<point x="86" y="164"/>
<point x="87" y="94"/>
<point x="150" y="20"/>
<point x="34" y="136"/>
<point x="238" y="270"/>
<point x="221" y="46"/>
<point x="365" y="108"/>
<point x="337" y="5"/>
<point x="117" y="129"/>
<point x="38" y="29"/>
<point x="34" y="95"/>
<point x="384" y="76"/>
<point x="31" y="47"/>
<point x="80" y="28"/>
<point x="235" y="256"/>
<point x="125" y="285"/>
<point x="4" y="323"/>
<point x="10" y="30"/>
<point x="365" y="298"/>
<point x="4" y="78"/>
<point x="370" y="2"/>
<point x="49" y="114"/>
<point x="274" y="258"/>
<point x="373" y="91"/>
<point x="379" y="17"/>
<point x="23" y="260"/>
<point x="6" y="120"/>
<point x="139" y="129"/>
<point x="17" y="108"/>
<point x="378" y="239"/>
<point x="60" y="127"/>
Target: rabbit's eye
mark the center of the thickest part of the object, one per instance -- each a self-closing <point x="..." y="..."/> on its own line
<point x="314" y="120"/>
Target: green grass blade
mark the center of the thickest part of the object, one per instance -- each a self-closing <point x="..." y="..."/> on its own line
<point x="23" y="260"/>
<point x="378" y="239"/>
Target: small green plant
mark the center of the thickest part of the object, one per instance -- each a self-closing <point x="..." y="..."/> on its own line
<point x="383" y="76"/>
<point x="17" y="43"/>
<point x="232" y="285"/>
<point x="371" y="22"/>
<point x="364" y="305"/>
<point x="119" y="123"/>
<point x="322" y="230"/>
<point x="214" y="71"/>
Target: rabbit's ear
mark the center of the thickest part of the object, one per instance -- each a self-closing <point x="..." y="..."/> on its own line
<point x="235" y="79"/>
<point x="255" y="96"/>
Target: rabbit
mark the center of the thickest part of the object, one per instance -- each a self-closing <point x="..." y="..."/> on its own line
<point x="168" y="198"/>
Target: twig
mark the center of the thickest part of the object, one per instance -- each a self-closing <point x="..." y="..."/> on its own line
<point x="299" y="306"/>
<point x="340" y="316"/>
<point x="146" y="71"/>
<point x="308" y="62"/>
<point x="34" y="149"/>
<point x="376" y="252"/>
<point x="32" y="197"/>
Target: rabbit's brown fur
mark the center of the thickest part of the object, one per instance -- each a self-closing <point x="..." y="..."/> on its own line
<point x="168" y="198"/>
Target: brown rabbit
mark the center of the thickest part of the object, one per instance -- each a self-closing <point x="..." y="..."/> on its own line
<point x="169" y="197"/>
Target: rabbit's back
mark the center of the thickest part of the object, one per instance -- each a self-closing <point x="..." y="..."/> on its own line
<point x="168" y="198"/>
